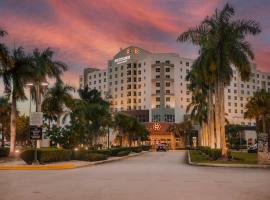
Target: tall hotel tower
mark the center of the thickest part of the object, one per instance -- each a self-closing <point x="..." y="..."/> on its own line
<point x="152" y="86"/>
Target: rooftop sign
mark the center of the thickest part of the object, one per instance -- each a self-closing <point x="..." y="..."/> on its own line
<point x="122" y="60"/>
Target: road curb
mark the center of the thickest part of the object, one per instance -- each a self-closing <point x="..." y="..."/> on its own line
<point x="65" y="166"/>
<point x="225" y="165"/>
<point x="37" y="167"/>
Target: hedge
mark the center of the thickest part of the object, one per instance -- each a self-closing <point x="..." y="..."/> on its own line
<point x="146" y="147"/>
<point x="212" y="153"/>
<point x="86" y="155"/>
<point x="115" y="151"/>
<point x="46" y="155"/>
<point x="4" y="151"/>
<point x="123" y="153"/>
<point x="136" y="149"/>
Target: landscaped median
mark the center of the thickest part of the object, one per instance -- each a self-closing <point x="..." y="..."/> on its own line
<point x="57" y="159"/>
<point x="204" y="157"/>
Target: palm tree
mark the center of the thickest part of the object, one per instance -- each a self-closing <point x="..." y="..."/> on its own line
<point x="5" y="108"/>
<point x="45" y="68"/>
<point x="258" y="108"/>
<point x="182" y="129"/>
<point x="15" y="75"/>
<point x="222" y="42"/>
<point x="92" y="96"/>
<point x="56" y="100"/>
<point x="198" y="111"/>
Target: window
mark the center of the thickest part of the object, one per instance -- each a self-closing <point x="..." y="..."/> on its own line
<point x="188" y="100"/>
<point x="168" y="84"/>
<point x="157" y="84"/>
<point x="168" y="91"/>
<point x="157" y="91"/>
<point x="187" y="64"/>
<point x="168" y="69"/>
<point x="168" y="76"/>
<point x="167" y="62"/>
<point x="158" y="99"/>
<point x="157" y="106"/>
<point x="167" y="99"/>
<point x="157" y="69"/>
<point x="157" y="76"/>
<point x="157" y="61"/>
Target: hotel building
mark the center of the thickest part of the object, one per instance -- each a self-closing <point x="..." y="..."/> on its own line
<point x="152" y="86"/>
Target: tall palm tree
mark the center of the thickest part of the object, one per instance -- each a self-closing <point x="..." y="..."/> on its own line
<point x="222" y="42"/>
<point x="45" y="67"/>
<point x="258" y="108"/>
<point x="198" y="111"/>
<point x="56" y="100"/>
<point x="5" y="108"/>
<point x="15" y="75"/>
<point x="92" y="96"/>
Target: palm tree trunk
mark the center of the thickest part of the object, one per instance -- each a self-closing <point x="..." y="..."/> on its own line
<point x="211" y="120"/>
<point x="217" y="116"/>
<point x="13" y="124"/>
<point x="3" y="136"/>
<point x="206" y="134"/>
<point x="222" y="121"/>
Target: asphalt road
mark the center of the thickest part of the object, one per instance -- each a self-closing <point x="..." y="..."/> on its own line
<point x="155" y="175"/>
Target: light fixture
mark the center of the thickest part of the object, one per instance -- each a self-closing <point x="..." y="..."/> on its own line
<point x="44" y="84"/>
<point x="76" y="149"/>
<point x="29" y="84"/>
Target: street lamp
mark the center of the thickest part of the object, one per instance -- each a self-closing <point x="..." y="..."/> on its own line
<point x="38" y="109"/>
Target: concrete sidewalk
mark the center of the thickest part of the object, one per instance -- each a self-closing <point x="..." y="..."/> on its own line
<point x="72" y="164"/>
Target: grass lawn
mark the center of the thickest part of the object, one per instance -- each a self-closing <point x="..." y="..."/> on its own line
<point x="239" y="158"/>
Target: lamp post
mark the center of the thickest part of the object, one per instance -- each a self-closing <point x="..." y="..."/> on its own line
<point x="38" y="100"/>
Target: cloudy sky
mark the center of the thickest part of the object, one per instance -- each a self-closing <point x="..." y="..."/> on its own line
<point x="89" y="32"/>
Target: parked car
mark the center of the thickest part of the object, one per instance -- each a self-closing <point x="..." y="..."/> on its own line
<point x="253" y="149"/>
<point x="161" y="147"/>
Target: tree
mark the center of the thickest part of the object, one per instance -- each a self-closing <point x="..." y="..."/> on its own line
<point x="258" y="108"/>
<point x="45" y="67"/>
<point x="182" y="129"/>
<point x="15" y="74"/>
<point x="5" y="108"/>
<point x="56" y="100"/>
<point x="22" y="129"/>
<point x="222" y="43"/>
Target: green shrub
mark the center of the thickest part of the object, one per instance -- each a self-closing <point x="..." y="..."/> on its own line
<point x="86" y="155"/>
<point x="146" y="147"/>
<point x="106" y="152"/>
<point x="115" y="151"/>
<point x="136" y="149"/>
<point x="215" y="154"/>
<point x="123" y="153"/>
<point x="212" y="153"/>
<point x="96" y="157"/>
<point x="4" y="152"/>
<point x="46" y="155"/>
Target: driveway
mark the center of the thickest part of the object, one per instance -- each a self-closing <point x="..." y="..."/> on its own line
<point x="151" y="176"/>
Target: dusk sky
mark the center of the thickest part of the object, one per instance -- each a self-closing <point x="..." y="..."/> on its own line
<point x="87" y="33"/>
